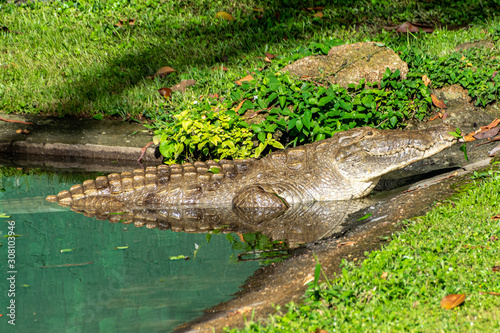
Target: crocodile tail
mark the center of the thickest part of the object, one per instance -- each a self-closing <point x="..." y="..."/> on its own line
<point x="113" y="185"/>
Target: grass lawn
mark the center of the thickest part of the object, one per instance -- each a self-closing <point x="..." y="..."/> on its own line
<point x="70" y="58"/>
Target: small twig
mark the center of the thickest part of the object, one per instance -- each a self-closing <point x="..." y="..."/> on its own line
<point x="16" y="121"/>
<point x="68" y="265"/>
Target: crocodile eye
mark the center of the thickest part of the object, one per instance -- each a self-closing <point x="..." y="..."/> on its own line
<point x="369" y="133"/>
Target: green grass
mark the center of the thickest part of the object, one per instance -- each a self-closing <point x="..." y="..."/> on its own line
<point x="71" y="60"/>
<point x="450" y="250"/>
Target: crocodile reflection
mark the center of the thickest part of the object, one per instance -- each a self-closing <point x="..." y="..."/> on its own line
<point x="297" y="224"/>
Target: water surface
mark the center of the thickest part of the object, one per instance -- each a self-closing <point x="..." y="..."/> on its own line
<point x="78" y="274"/>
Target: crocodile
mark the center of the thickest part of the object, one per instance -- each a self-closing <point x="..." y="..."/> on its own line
<point x="346" y="166"/>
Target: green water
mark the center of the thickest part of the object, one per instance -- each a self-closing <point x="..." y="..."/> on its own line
<point x="137" y="289"/>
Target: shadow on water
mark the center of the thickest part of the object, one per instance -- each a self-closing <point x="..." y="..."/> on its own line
<point x="77" y="275"/>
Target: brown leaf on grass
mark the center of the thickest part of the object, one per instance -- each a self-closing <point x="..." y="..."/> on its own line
<point x="222" y="68"/>
<point x="450" y="301"/>
<point x="181" y="86"/>
<point x="22" y="131"/>
<point x="437" y="102"/>
<point x="246" y="78"/>
<point x="384" y="276"/>
<point x="270" y="56"/>
<point x="496" y="268"/>
<point x="165" y="92"/>
<point x="318" y="14"/>
<point x="410" y="27"/>
<point x="224" y="16"/>
<point x="489" y="293"/>
<point x="165" y="70"/>
<point x="124" y="23"/>
<point x="426" y="80"/>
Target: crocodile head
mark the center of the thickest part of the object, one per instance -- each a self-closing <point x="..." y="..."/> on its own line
<point x="368" y="153"/>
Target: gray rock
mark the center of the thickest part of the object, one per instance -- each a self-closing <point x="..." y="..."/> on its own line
<point x="350" y="63"/>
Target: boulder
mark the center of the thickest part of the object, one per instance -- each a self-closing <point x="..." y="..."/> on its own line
<point x="346" y="64"/>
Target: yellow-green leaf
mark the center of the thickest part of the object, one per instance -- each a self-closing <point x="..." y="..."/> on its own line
<point x="224" y="16"/>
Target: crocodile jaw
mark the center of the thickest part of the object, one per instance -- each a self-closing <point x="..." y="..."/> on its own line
<point x="377" y="152"/>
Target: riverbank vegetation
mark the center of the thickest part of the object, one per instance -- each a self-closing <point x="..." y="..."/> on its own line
<point x="120" y="58"/>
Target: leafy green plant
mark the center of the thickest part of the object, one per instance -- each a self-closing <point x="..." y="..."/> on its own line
<point x="206" y="134"/>
<point x="474" y="69"/>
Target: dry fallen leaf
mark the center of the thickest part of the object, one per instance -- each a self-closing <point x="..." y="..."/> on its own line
<point x="165" y="70"/>
<point x="489" y="293"/>
<point x="165" y="92"/>
<point x="224" y="16"/>
<point x="426" y="80"/>
<point x="181" y="86"/>
<point x="346" y="243"/>
<point x="437" y="102"/>
<point x="239" y="105"/>
<point x="411" y="27"/>
<point x="450" y="301"/>
<point x="471" y="136"/>
<point x="319" y="14"/>
<point x="490" y="133"/>
<point x="438" y="115"/>
<point x="384" y="275"/>
<point x="270" y="56"/>
<point x="246" y="78"/>
<point x="122" y="23"/>
<point x="222" y="68"/>
<point x="496" y="268"/>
